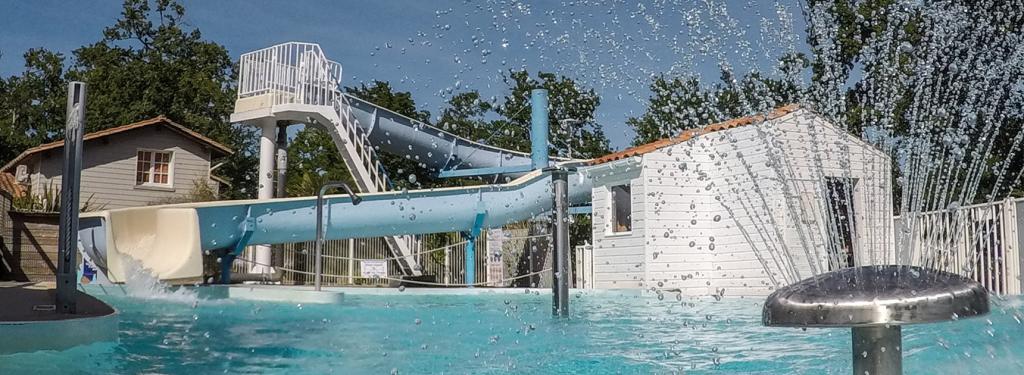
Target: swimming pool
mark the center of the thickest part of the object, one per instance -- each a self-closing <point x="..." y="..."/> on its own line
<point x="417" y="333"/>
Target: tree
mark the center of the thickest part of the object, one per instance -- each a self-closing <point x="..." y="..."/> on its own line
<point x="32" y="105"/>
<point x="925" y="79"/>
<point x="466" y="116"/>
<point x="676" y="104"/>
<point x="566" y="100"/>
<point x="682" y="103"/>
<point x="148" y="64"/>
<point x="312" y="161"/>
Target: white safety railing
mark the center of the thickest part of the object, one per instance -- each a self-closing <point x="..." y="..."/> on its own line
<point x="978" y="241"/>
<point x="293" y="72"/>
<point x="584" y="270"/>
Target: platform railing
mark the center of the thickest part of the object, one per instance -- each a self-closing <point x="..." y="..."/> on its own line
<point x="980" y="241"/>
<point x="293" y="72"/>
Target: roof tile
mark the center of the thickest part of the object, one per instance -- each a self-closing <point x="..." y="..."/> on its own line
<point x="11" y="186"/>
<point x="689" y="134"/>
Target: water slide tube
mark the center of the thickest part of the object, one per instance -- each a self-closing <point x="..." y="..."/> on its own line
<point x="436" y="148"/>
<point x="170" y="240"/>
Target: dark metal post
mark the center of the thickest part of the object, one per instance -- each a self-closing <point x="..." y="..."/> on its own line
<point x="282" y="159"/>
<point x="67" y="251"/>
<point x="561" y="274"/>
<point x="877" y="350"/>
<point x="318" y="270"/>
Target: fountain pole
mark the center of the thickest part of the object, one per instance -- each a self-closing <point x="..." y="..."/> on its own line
<point x="67" y="251"/>
<point x="560" y="273"/>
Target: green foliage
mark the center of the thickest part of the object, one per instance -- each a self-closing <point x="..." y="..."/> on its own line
<point x="312" y="161"/>
<point x="466" y="115"/>
<point x="48" y="201"/>
<point x="32" y="104"/>
<point x="381" y="93"/>
<point x="680" y="103"/>
<point x="199" y="192"/>
<point x="566" y="100"/>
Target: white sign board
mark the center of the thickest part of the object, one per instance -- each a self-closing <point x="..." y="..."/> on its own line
<point x="373" y="268"/>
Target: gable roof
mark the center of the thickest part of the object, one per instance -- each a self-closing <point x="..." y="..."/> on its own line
<point x="689" y="134"/>
<point x="9" y="185"/>
<point x="156" y="121"/>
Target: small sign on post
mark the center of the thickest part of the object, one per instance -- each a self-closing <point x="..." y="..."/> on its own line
<point x="67" y="245"/>
<point x="373" y="268"/>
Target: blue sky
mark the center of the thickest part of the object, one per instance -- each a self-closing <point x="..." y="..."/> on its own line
<point x="434" y="48"/>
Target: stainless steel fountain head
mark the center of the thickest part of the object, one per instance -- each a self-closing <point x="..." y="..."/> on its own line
<point x="875" y="301"/>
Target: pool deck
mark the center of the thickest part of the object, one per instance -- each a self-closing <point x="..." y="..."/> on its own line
<point x="29" y="320"/>
<point x="31" y="302"/>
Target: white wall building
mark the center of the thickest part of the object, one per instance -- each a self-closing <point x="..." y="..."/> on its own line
<point x="740" y="207"/>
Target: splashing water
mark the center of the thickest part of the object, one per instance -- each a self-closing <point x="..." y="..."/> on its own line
<point x="935" y="87"/>
<point x="142" y="284"/>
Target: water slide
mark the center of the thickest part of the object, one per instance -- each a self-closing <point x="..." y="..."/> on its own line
<point x="294" y="83"/>
<point x="170" y="240"/>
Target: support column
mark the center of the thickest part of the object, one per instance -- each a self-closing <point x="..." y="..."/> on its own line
<point x="282" y="160"/>
<point x="539" y="128"/>
<point x="67" y="242"/>
<point x="473" y="235"/>
<point x="351" y="262"/>
<point x="268" y="127"/>
<point x="561" y="273"/>
<point x="470" y="261"/>
<point x="877" y="350"/>
<point x="226" y="260"/>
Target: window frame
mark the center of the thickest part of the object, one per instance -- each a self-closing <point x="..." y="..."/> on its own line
<point x="611" y="228"/>
<point x="151" y="172"/>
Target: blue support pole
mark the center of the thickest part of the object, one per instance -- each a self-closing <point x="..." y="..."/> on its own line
<point x="539" y="128"/>
<point x="471" y="248"/>
<point x="248" y="227"/>
<point x="471" y="260"/>
<point x="225" y="266"/>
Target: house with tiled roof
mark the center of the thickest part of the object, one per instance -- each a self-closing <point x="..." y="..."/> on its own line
<point x="739" y="207"/>
<point x="151" y="161"/>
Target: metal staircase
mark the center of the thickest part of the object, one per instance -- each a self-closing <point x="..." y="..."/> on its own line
<point x="371" y="177"/>
<point x="295" y="81"/>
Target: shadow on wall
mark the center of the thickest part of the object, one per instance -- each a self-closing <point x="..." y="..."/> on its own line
<point x="28" y="243"/>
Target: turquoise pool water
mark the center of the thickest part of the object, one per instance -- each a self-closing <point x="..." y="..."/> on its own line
<point x="411" y="333"/>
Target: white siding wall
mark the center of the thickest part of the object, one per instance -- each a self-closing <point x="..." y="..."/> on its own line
<point x="108" y="167"/>
<point x="750" y="201"/>
<point x="618" y="258"/>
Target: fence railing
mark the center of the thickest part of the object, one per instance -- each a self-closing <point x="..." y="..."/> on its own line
<point x="342" y="261"/>
<point x="584" y="270"/>
<point x="292" y="72"/>
<point x="979" y="241"/>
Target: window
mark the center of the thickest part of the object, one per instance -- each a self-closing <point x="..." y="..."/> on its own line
<point x="153" y="168"/>
<point x="622" y="209"/>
